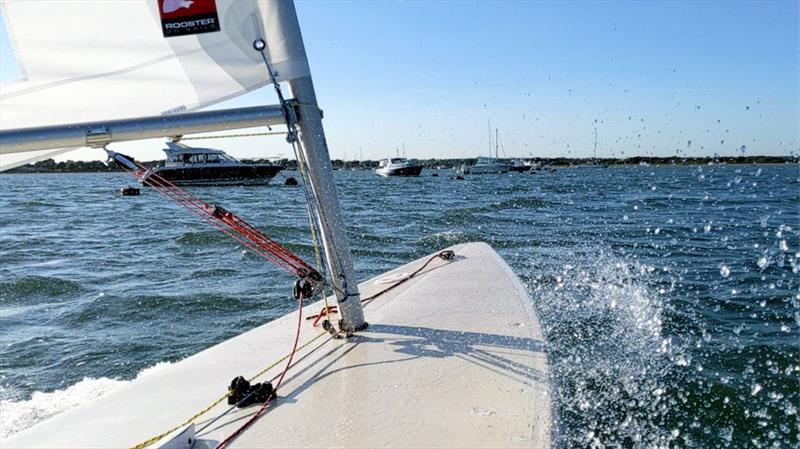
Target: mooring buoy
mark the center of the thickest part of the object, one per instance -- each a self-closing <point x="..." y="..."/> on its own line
<point x="129" y="191"/>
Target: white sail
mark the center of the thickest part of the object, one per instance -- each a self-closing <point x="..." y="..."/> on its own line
<point x="109" y="59"/>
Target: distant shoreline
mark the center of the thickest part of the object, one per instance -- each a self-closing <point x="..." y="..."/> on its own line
<point x="50" y="166"/>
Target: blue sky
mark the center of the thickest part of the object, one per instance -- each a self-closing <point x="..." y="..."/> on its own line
<point x="659" y="78"/>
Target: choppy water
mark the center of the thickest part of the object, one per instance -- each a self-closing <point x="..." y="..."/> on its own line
<point x="670" y="295"/>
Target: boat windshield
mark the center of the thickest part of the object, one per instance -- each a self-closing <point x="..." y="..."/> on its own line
<point x="486" y="160"/>
<point x="398" y="161"/>
<point x="201" y="158"/>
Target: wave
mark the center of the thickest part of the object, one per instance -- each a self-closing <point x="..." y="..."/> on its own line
<point x="21" y="414"/>
<point x="520" y="203"/>
<point x="28" y="286"/>
<point x="447" y="238"/>
<point x="462" y="215"/>
<point x="35" y="204"/>
<point x="201" y="238"/>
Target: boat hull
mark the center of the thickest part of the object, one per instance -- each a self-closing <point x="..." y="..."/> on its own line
<point x="403" y="171"/>
<point x="256" y="174"/>
<point x="454" y="357"/>
<point x="520" y="168"/>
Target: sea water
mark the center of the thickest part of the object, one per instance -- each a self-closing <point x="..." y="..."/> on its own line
<point x="670" y="296"/>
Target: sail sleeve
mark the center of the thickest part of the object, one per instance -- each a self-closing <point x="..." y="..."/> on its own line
<point x="97" y="60"/>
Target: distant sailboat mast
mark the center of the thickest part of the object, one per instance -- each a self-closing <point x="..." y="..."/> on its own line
<point x="490" y="137"/>
<point x="496" y="143"/>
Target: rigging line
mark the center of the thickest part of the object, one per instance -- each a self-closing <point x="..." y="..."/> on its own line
<point x="203" y="213"/>
<point x="225" y="136"/>
<point x="260" y="45"/>
<point x="263" y="245"/>
<point x="312" y="223"/>
<point x="446" y="255"/>
<point x="301" y="161"/>
<point x="264" y="407"/>
<point x="214" y="223"/>
<point x="366" y="301"/>
<point x="202" y="412"/>
<point x="297" y="147"/>
<point x="249" y="231"/>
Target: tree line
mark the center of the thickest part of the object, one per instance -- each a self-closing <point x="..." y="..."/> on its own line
<point x="51" y="166"/>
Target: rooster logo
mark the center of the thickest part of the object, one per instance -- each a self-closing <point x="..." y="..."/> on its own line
<point x="174" y="5"/>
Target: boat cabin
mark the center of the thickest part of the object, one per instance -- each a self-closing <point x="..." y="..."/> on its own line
<point x="483" y="160"/>
<point x="180" y="154"/>
<point x="392" y="161"/>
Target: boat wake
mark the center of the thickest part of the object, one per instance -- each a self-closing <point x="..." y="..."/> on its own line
<point x="20" y="415"/>
<point x="611" y="365"/>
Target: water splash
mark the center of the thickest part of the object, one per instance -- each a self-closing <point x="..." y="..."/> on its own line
<point x="612" y="368"/>
<point x="19" y="415"/>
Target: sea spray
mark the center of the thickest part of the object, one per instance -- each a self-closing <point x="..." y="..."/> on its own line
<point x="610" y="362"/>
<point x="18" y="415"/>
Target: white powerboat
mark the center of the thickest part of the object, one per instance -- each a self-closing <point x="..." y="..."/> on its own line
<point x="398" y="167"/>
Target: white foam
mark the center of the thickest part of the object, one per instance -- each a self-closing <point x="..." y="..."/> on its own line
<point x="20" y="415"/>
<point x="603" y="318"/>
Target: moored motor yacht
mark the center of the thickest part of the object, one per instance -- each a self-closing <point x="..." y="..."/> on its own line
<point x="187" y="165"/>
<point x="518" y="165"/>
<point x="398" y="167"/>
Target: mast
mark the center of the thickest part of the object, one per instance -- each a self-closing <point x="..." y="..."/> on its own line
<point x="496" y="141"/>
<point x="320" y="172"/>
<point x="490" y="137"/>
<point x="595" y="143"/>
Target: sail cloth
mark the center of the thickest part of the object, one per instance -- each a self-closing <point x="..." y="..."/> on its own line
<point x="109" y="59"/>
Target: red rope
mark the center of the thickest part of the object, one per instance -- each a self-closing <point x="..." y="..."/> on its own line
<point x="232" y="225"/>
<point x="200" y="211"/>
<point x="224" y="443"/>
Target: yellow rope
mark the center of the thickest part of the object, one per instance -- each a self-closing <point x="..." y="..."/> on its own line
<point x="152" y="440"/>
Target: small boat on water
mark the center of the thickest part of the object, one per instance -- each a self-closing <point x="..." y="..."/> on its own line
<point x="485" y="165"/>
<point x="521" y="166"/>
<point x="187" y="165"/>
<point x="398" y="166"/>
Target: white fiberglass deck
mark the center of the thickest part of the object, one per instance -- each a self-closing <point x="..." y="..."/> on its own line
<point x="452" y="358"/>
